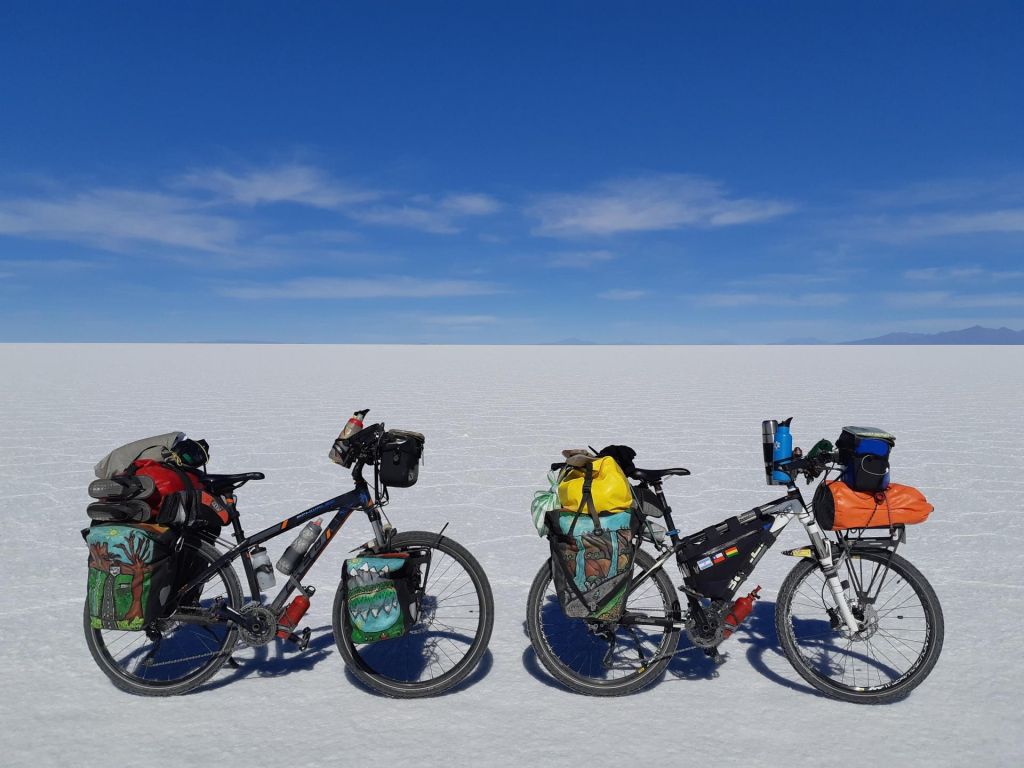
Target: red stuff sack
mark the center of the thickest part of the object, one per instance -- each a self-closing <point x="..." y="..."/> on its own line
<point x="180" y="500"/>
<point x="838" y="507"/>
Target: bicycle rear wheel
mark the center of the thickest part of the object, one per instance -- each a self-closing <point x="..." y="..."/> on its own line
<point x="894" y="652"/>
<point x="605" y="659"/>
<point x="173" y="656"/>
<point x="447" y="641"/>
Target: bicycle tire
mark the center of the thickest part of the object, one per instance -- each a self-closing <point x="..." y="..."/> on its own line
<point x="123" y="655"/>
<point x="814" y="650"/>
<point x="379" y="665"/>
<point x="548" y="627"/>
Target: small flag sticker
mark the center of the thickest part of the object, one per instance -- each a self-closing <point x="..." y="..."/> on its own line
<point x="731" y="552"/>
<point x="718" y="557"/>
<point x="704" y="564"/>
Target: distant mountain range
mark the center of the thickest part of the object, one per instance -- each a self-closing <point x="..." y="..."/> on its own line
<point x="973" y="335"/>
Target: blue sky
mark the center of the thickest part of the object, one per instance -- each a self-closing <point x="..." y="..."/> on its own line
<point x="509" y="172"/>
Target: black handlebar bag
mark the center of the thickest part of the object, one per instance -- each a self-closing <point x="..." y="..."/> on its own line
<point x="400" y="454"/>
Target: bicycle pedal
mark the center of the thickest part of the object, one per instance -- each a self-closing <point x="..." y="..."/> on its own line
<point x="301" y="638"/>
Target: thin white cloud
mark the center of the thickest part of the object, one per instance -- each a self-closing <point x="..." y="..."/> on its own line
<point x="301" y="184"/>
<point x="937" y="274"/>
<point x="459" y="320"/>
<point x="622" y="295"/>
<point x="649" y="203"/>
<point x="580" y="259"/>
<point x="952" y="300"/>
<point x="362" y="288"/>
<point x="119" y="219"/>
<point x="440" y="216"/>
<point x="727" y="300"/>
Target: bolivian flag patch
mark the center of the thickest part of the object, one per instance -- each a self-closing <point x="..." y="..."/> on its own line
<point x="731" y="552"/>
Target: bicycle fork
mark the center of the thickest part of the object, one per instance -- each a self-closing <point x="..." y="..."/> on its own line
<point x="823" y="549"/>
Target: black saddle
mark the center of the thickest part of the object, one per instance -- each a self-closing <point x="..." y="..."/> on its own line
<point x="228" y="483"/>
<point x="655" y="475"/>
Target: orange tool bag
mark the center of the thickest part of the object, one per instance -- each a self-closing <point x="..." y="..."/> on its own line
<point x="838" y="507"/>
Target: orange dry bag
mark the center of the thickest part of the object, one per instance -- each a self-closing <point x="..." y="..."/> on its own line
<point x="838" y="507"/>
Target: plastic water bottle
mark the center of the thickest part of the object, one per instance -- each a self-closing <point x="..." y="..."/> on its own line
<point x="262" y="566"/>
<point x="354" y="424"/>
<point x="783" y="450"/>
<point x="298" y="548"/>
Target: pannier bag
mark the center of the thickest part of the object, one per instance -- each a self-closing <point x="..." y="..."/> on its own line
<point x="838" y="507"/>
<point x="131" y="574"/>
<point x="610" y="491"/>
<point x="592" y="553"/>
<point x="720" y="557"/>
<point x="381" y="596"/>
<point x="591" y="567"/>
<point x="400" y="454"/>
<point x="865" y="453"/>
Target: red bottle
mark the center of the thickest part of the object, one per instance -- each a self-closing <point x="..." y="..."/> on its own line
<point x="740" y="610"/>
<point x="292" y="615"/>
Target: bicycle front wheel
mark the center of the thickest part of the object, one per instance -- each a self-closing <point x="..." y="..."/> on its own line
<point x="173" y="655"/>
<point x="605" y="658"/>
<point x="447" y="641"/>
<point x="900" y="638"/>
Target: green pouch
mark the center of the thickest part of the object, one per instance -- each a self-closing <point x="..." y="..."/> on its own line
<point x="380" y="603"/>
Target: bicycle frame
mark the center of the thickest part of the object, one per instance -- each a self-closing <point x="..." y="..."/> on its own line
<point x="784" y="510"/>
<point x="343" y="506"/>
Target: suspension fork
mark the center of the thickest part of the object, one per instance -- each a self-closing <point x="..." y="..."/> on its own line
<point x="823" y="548"/>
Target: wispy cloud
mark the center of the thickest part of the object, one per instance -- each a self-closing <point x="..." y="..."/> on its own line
<point x="118" y="219"/>
<point x="440" y="216"/>
<point x="622" y="295"/>
<point x="580" y="259"/>
<point x="931" y="225"/>
<point x="649" y="203"/>
<point x="952" y="274"/>
<point x="361" y="288"/>
<point x="301" y="184"/>
<point x="726" y="299"/>
<point x="459" y="320"/>
<point x="952" y="300"/>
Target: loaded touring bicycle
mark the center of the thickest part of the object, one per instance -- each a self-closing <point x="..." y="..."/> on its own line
<point x="855" y="619"/>
<point x="412" y="614"/>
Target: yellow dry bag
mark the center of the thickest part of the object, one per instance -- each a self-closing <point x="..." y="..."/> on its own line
<point x="609" y="488"/>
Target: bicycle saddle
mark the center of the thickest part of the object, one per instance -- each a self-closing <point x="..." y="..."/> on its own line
<point x="226" y="483"/>
<point x="655" y="475"/>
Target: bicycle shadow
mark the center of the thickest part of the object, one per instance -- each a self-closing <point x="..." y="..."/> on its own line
<point x="759" y="635"/>
<point x="689" y="662"/>
<point x="478" y="674"/>
<point x="276" y="659"/>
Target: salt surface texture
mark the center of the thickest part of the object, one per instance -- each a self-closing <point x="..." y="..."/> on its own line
<point x="495" y="417"/>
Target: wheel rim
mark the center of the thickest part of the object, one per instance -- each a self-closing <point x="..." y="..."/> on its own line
<point x="893" y="645"/>
<point x="171" y="652"/>
<point x="581" y="648"/>
<point x="444" y="636"/>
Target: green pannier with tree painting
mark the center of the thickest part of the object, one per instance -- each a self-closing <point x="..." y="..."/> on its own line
<point x="131" y="574"/>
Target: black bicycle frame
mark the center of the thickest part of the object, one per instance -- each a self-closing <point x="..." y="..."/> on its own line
<point x="343" y="506"/>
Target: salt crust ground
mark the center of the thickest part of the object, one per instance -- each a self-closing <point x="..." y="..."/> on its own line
<point x="494" y="418"/>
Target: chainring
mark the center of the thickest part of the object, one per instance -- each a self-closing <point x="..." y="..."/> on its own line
<point x="266" y="629"/>
<point x="710" y="631"/>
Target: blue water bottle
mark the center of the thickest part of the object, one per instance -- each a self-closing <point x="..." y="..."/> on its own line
<point x="783" y="451"/>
